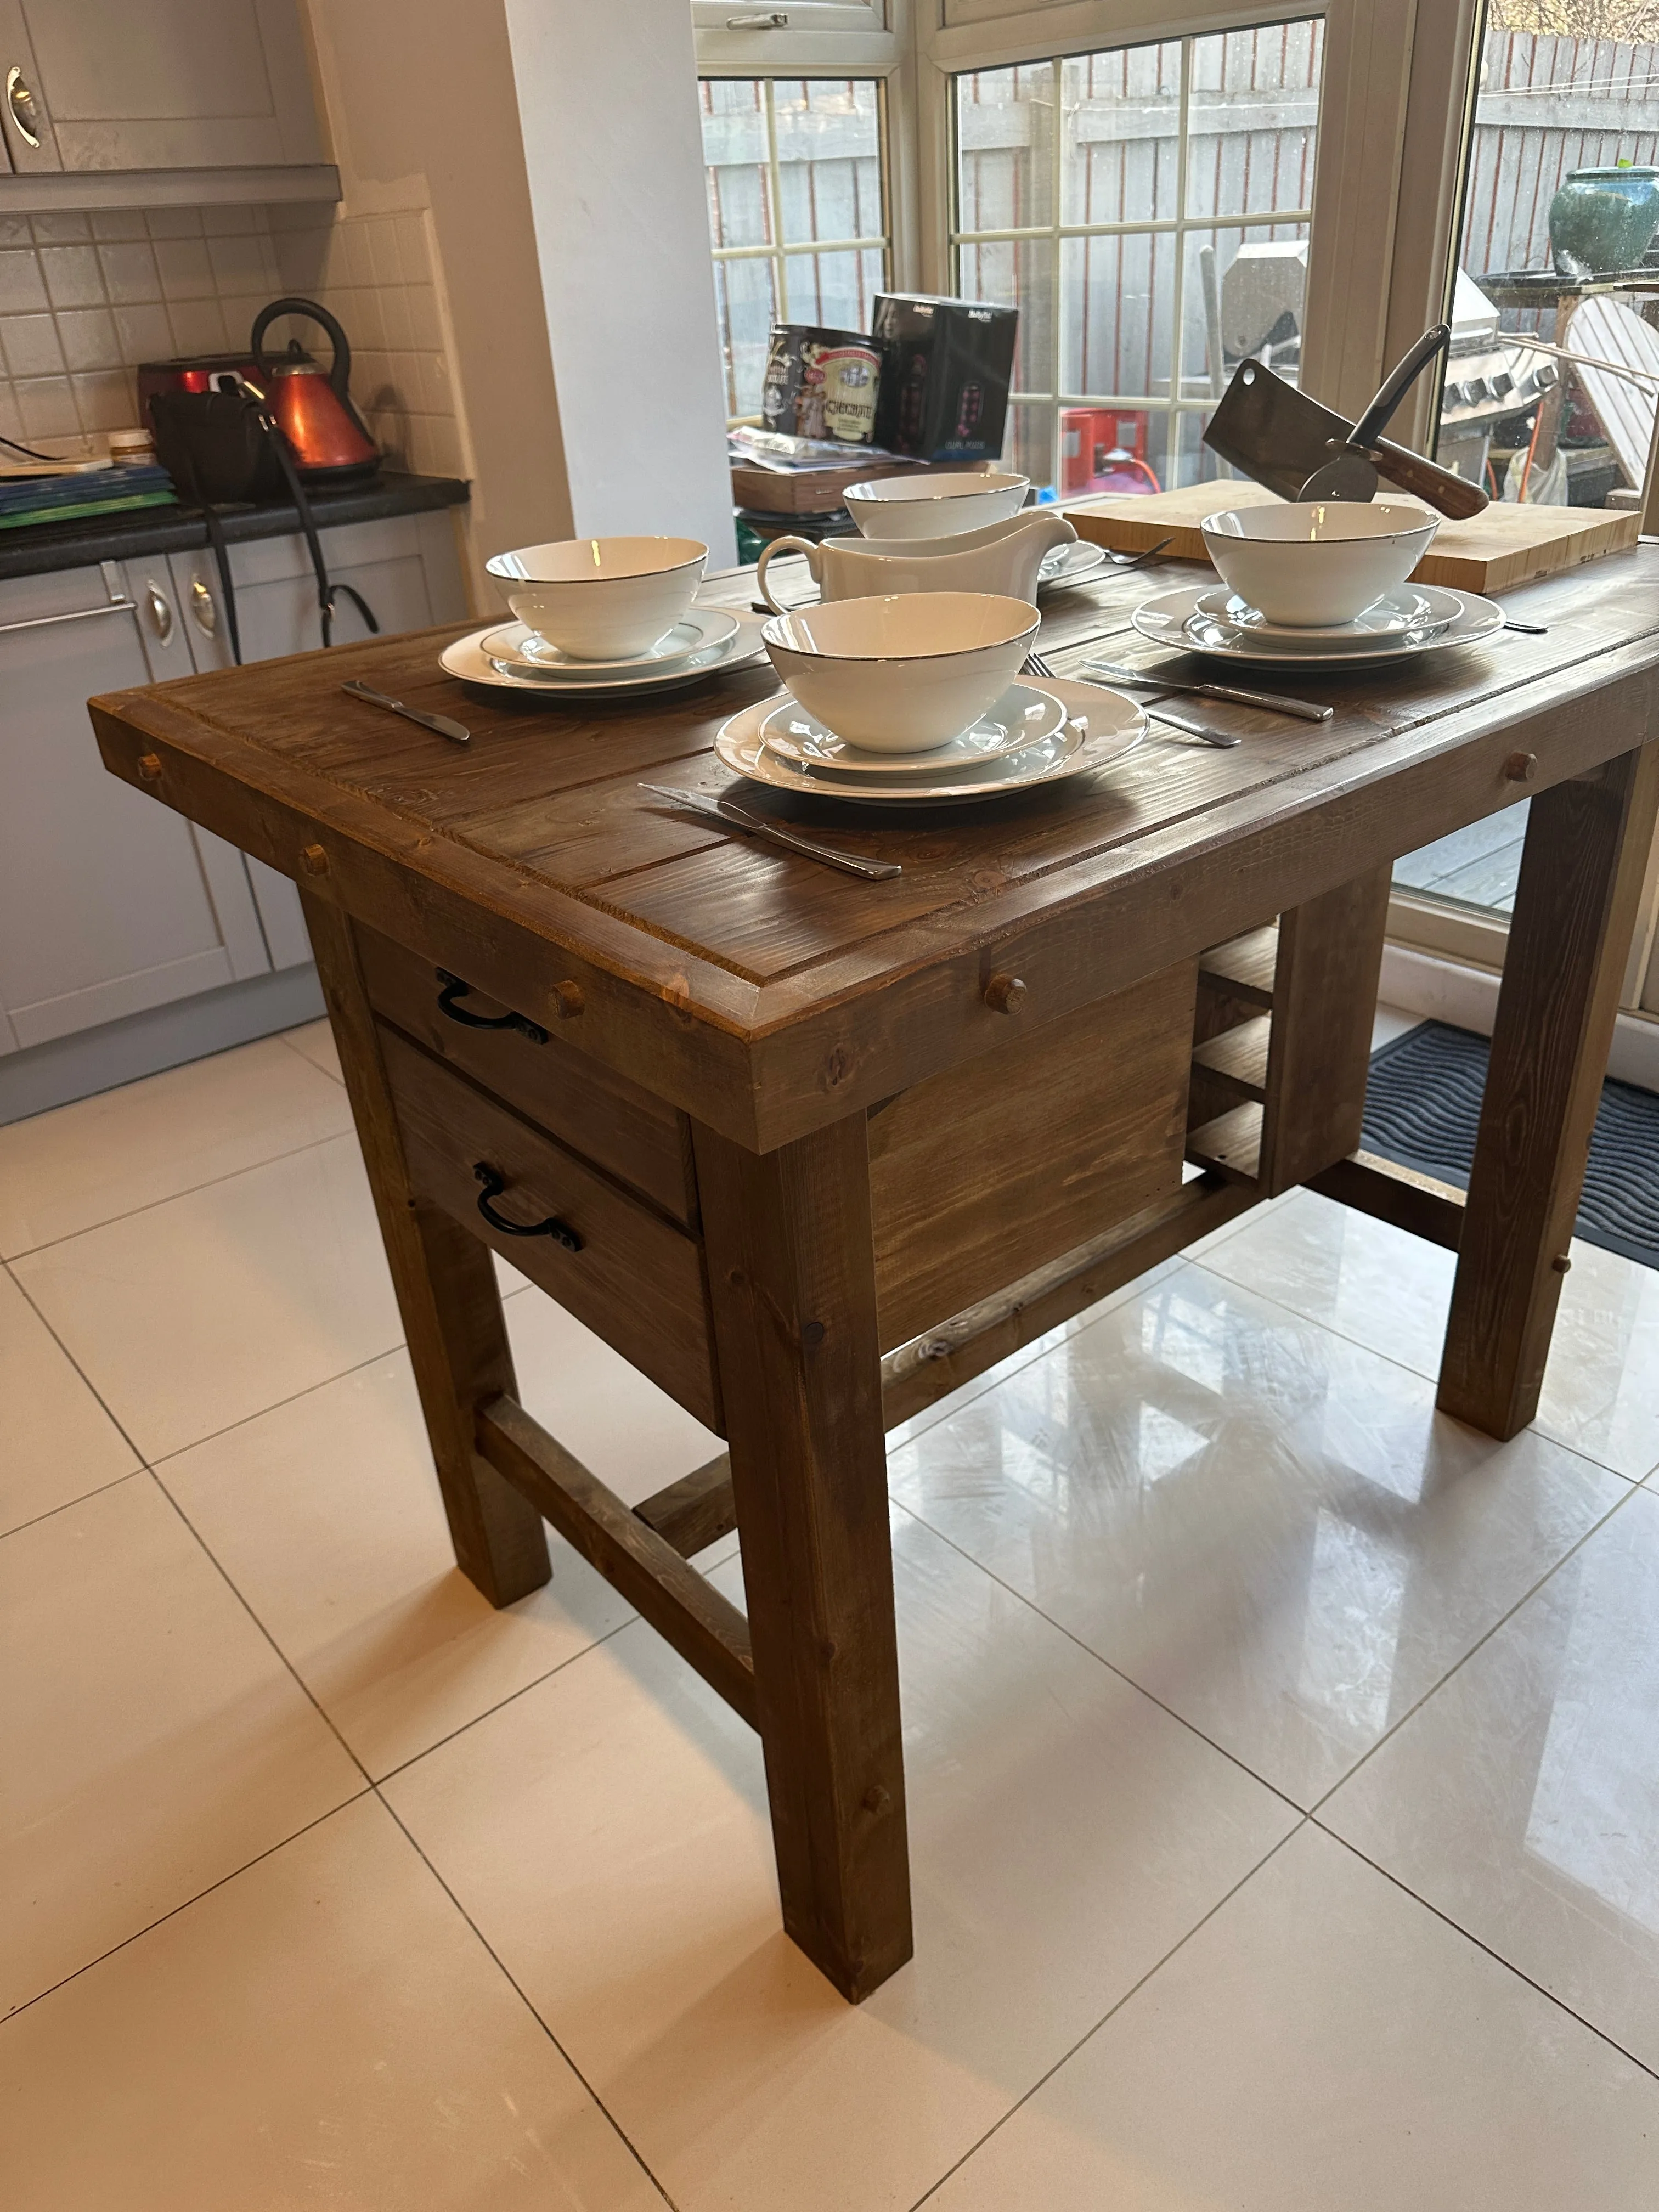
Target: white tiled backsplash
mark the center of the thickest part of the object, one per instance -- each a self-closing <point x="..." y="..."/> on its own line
<point x="84" y="298"/>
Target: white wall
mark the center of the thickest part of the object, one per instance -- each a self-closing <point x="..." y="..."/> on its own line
<point x="607" y="95"/>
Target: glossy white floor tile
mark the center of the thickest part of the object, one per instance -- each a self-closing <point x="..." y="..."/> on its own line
<point x="325" y="1515"/>
<point x="314" y="1040"/>
<point x="633" y="1436"/>
<point x="57" y="1443"/>
<point x="1324" y="2044"/>
<point x="607" y="1833"/>
<point x="151" y="1741"/>
<point x="85" y="1163"/>
<point x="200" y="1311"/>
<point x="324" y="2030"/>
<point x="1522" y="1800"/>
<point x="1264" y="1526"/>
<point x="1390" y="1291"/>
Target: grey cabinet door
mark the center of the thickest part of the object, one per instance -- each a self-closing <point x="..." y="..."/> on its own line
<point x="405" y="567"/>
<point x="109" y="903"/>
<point x="168" y="84"/>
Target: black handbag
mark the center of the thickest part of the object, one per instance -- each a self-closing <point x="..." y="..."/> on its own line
<point x="222" y="449"/>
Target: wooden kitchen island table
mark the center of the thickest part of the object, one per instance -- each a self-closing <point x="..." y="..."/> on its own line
<point x="809" y="1151"/>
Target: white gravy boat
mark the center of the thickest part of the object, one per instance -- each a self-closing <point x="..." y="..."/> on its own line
<point x="1003" y="557"/>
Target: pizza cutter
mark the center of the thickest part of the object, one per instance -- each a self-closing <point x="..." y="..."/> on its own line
<point x="1352" y="472"/>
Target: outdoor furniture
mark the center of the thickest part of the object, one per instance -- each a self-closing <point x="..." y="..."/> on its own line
<point x="812" y="1151"/>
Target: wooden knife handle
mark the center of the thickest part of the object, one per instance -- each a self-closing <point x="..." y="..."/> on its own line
<point x="1454" y="495"/>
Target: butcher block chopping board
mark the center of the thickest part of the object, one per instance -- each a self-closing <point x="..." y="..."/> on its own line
<point x="1506" y="546"/>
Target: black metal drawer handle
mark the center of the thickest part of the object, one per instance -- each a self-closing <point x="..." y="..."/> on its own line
<point x="454" y="988"/>
<point x="494" y="1183"/>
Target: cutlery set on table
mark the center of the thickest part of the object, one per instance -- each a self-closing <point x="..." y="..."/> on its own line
<point x="912" y="679"/>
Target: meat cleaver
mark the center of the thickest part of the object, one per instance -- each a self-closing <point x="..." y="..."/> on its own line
<point x="1279" y="437"/>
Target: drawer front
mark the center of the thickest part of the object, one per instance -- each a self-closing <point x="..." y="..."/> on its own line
<point x="636" y="1280"/>
<point x="992" y="1169"/>
<point x="637" y="1138"/>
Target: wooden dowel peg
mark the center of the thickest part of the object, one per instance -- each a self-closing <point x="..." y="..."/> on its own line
<point x="1521" y="767"/>
<point x="567" y="1000"/>
<point x="149" y="767"/>
<point x="1005" y="994"/>
<point x="313" y="859"/>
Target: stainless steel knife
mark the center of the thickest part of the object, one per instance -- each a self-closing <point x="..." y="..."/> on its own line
<point x="456" y="733"/>
<point x="1148" y="679"/>
<point x="739" y="817"/>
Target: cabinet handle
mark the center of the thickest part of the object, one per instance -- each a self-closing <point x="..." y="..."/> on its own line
<point x="81" y="613"/>
<point x="494" y="1183"/>
<point x="201" y="606"/>
<point x="24" y="112"/>
<point x="160" y="610"/>
<point x="454" y="988"/>
<point x="773" y="20"/>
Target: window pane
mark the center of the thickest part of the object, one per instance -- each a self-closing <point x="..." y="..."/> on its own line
<point x="1027" y="444"/>
<point x="1122" y="125"/>
<point x="734" y="157"/>
<point x="1245" y="291"/>
<point x="1118" y="316"/>
<point x="837" y="290"/>
<point x="743" y="291"/>
<point x="1005" y="135"/>
<point x="1254" y="121"/>
<point x="1018" y="273"/>
<point x="828" y="138"/>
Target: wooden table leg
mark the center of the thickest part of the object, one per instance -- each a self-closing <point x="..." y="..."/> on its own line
<point x="791" y="1281"/>
<point x="445" y="1285"/>
<point x="1582" y="870"/>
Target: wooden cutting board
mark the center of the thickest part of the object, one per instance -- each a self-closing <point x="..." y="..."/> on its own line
<point x="1506" y="546"/>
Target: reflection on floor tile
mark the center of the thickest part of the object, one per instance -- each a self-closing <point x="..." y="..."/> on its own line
<point x="1522" y="1800"/>
<point x="1390" y="1291"/>
<point x="607" y="1833"/>
<point x="1324" y="2043"/>
<point x="323" y="2030"/>
<point x="57" y="1443"/>
<point x="85" y="1163"/>
<point x="314" y="1040"/>
<point x="201" y="1312"/>
<point x="151" y="1741"/>
<point x="1264" y="1526"/>
<point x="325" y="1515"/>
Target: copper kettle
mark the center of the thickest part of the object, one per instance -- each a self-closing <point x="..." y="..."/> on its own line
<point x="311" y="405"/>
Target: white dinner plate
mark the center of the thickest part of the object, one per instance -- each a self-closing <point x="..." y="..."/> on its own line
<point x="1071" y="564"/>
<point x="1173" y="618"/>
<point x="526" y="653"/>
<point x="1114" y="725"/>
<point x="1023" y="716"/>
<point x="1413" y="606"/>
<point x="466" y="659"/>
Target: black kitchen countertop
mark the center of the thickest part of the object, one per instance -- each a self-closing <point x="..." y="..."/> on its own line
<point x="151" y="529"/>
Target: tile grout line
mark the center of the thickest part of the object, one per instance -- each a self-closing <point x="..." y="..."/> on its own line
<point x="1066" y="2057"/>
<point x="151" y="1205"/>
<point x="506" y="1975"/>
<point x="285" y="1037"/>
<point x="1477" y="1943"/>
<point x="1481" y="1642"/>
<point x="97" y="1396"/>
<point x="1128" y="1680"/>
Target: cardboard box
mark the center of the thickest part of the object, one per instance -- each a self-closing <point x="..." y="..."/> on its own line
<point x="947" y="366"/>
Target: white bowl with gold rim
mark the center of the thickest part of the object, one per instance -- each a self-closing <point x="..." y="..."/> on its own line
<point x="601" y="599"/>
<point x="1308" y="563"/>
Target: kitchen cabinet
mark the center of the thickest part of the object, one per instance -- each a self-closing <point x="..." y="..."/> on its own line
<point x="108" y="907"/>
<point x="405" y="567"/>
<point x="156" y="84"/>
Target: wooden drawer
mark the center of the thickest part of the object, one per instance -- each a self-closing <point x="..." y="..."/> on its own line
<point x="983" y="1173"/>
<point x="603" y="1116"/>
<point x="637" y="1281"/>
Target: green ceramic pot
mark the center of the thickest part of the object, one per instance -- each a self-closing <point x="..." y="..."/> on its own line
<point x="1603" y="220"/>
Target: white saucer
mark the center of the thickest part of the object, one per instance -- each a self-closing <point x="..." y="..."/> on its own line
<point x="1071" y="564"/>
<point x="526" y="653"/>
<point x="466" y="659"/>
<point x="1114" y="726"/>
<point x="1173" y="618"/>
<point x="1022" y="717"/>
<point x="1413" y="606"/>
